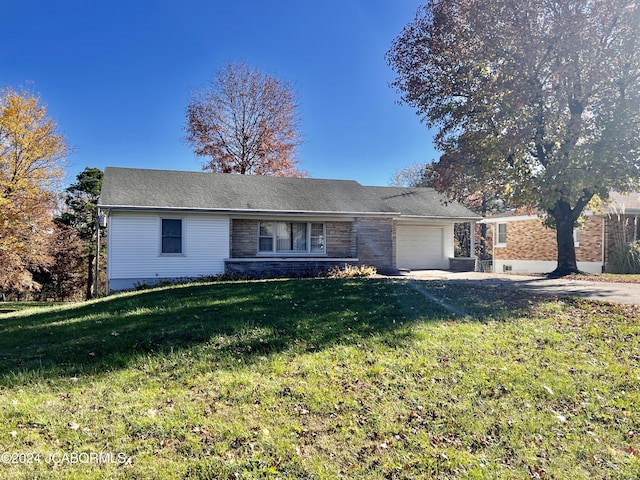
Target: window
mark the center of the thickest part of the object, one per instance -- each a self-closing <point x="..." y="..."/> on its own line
<point x="502" y="234"/>
<point x="576" y="237"/>
<point x="265" y="242"/>
<point x="317" y="238"/>
<point x="171" y="236"/>
<point x="291" y="237"/>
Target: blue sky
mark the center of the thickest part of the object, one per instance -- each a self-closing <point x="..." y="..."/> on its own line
<point x="117" y="76"/>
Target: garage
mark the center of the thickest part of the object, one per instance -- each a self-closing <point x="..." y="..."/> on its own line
<point x="420" y="247"/>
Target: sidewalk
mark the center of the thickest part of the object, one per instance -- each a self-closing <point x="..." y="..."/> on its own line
<point x="628" y="293"/>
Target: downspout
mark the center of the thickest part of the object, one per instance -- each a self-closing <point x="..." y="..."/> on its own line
<point x="603" y="242"/>
<point x="493" y="246"/>
<point x="96" y="280"/>
<point x="107" y="282"/>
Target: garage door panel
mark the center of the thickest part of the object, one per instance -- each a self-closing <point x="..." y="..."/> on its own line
<point x="419" y="247"/>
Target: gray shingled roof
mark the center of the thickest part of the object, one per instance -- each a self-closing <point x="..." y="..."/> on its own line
<point x="165" y="189"/>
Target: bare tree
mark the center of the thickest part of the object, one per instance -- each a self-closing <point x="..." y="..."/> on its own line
<point x="245" y="122"/>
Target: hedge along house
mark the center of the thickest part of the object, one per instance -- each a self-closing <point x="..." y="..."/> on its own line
<point x="167" y="225"/>
<point x="524" y="245"/>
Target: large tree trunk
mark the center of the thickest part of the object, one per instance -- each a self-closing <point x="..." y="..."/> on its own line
<point x="565" y="219"/>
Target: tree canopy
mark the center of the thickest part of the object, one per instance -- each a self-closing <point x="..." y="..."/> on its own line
<point x="538" y="100"/>
<point x="245" y="122"/>
<point x="31" y="158"/>
<point x="81" y="200"/>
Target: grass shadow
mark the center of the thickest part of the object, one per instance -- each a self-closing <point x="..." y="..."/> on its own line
<point x="479" y="302"/>
<point x="235" y="319"/>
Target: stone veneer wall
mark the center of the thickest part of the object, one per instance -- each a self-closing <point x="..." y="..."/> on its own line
<point x="375" y="242"/>
<point x="340" y="241"/>
<point x="369" y="240"/>
<point x="530" y="240"/>
<point x="270" y="268"/>
<point x="244" y="238"/>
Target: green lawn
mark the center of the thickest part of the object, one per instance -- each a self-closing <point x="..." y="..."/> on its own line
<point x="348" y="378"/>
<point x="8" y="307"/>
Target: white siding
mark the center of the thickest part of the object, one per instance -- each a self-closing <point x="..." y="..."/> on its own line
<point x="134" y="247"/>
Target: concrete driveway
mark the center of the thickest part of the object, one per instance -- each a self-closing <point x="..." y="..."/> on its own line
<point x="628" y="293"/>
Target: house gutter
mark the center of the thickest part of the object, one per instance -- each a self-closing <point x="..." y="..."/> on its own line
<point x="243" y="211"/>
<point x="603" y="243"/>
<point x="517" y="218"/>
<point x="435" y="217"/>
<point x="260" y="212"/>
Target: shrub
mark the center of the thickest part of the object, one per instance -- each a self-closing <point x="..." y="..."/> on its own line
<point x="352" y="271"/>
<point x="625" y="258"/>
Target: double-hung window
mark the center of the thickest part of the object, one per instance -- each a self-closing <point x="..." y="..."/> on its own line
<point x="502" y="234"/>
<point x="317" y="237"/>
<point x="291" y="237"/>
<point x="171" y="236"/>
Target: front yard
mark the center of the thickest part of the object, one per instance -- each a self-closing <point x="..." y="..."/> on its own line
<point x="348" y="378"/>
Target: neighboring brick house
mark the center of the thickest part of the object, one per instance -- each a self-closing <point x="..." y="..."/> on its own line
<point x="524" y="245"/>
<point x="166" y="225"/>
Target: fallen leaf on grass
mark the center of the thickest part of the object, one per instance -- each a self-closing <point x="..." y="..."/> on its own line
<point x="201" y="430"/>
<point x="632" y="451"/>
<point x="300" y="410"/>
<point x="537" y="472"/>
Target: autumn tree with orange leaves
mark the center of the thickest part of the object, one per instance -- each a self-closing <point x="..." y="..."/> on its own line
<point x="31" y="158"/>
<point x="245" y="122"/>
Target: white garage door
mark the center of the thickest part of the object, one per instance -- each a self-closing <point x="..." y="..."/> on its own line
<point x="419" y="247"/>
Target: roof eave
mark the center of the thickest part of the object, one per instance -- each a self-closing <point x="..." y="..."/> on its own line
<point x="443" y="217"/>
<point x="247" y="211"/>
<point x="239" y="211"/>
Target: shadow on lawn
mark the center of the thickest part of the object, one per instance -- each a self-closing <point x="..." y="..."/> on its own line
<point x="245" y="320"/>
